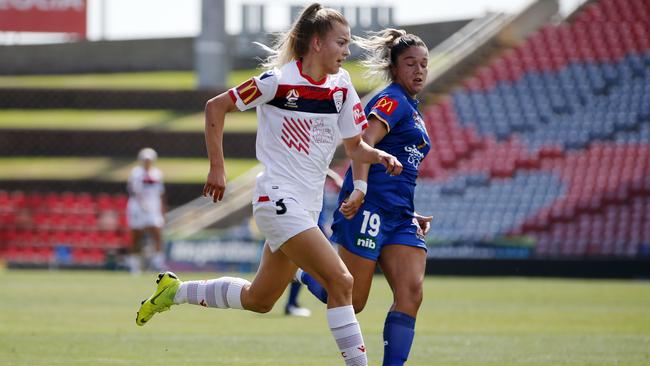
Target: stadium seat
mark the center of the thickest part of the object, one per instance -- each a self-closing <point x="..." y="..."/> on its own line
<point x="558" y="130"/>
<point x="37" y="227"/>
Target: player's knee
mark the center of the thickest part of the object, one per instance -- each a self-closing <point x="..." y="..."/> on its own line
<point x="410" y="295"/>
<point x="264" y="308"/>
<point x="339" y="284"/>
<point x="416" y="296"/>
<point x="346" y="281"/>
<point x="261" y="307"/>
<point x="257" y="303"/>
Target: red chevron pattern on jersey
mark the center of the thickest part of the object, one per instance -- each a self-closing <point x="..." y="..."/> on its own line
<point x="296" y="134"/>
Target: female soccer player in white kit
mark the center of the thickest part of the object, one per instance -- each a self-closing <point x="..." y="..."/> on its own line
<point x="306" y="104"/>
<point x="144" y="210"/>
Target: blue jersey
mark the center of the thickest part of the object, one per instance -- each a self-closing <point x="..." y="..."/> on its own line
<point x="407" y="140"/>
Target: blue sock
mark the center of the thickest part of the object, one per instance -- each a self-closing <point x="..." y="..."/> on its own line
<point x="399" y="330"/>
<point x="294" y="289"/>
<point x="314" y="287"/>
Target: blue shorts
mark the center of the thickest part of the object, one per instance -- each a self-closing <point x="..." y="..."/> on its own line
<point x="374" y="227"/>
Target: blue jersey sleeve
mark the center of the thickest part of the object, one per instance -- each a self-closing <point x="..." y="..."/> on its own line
<point x="389" y="109"/>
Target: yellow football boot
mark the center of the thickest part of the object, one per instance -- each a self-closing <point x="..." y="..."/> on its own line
<point x="161" y="299"/>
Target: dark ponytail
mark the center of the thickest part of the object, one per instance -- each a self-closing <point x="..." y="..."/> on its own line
<point x="383" y="48"/>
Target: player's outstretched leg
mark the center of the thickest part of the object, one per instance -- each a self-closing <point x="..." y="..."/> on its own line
<point x="161" y="299"/>
<point x="223" y="293"/>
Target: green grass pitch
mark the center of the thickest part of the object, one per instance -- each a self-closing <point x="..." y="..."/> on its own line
<point x="88" y="318"/>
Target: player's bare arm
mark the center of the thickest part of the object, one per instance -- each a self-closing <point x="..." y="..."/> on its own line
<point x="215" y="113"/>
<point x="357" y="150"/>
<point x="373" y="134"/>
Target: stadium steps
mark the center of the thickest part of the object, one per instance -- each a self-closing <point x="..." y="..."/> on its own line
<point x="41" y="98"/>
<point x="202" y="212"/>
<point x="125" y="143"/>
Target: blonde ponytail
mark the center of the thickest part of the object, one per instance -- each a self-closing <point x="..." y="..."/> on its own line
<point x="315" y="20"/>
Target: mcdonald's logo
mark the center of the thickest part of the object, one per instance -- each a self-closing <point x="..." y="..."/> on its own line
<point x="248" y="91"/>
<point x="386" y="105"/>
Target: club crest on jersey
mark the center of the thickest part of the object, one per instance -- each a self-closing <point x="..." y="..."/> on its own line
<point x="296" y="134"/>
<point x="357" y="113"/>
<point x="419" y="122"/>
<point x="338" y="100"/>
<point x="248" y="91"/>
<point x="292" y="97"/>
<point x="386" y="105"/>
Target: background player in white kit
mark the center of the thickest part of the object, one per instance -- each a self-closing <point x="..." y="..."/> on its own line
<point x="145" y="210"/>
<point x="305" y="105"/>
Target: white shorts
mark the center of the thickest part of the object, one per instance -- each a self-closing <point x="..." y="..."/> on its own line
<point x="283" y="219"/>
<point x="139" y="219"/>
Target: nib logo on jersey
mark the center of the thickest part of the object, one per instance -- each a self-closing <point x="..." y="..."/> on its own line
<point x="366" y="243"/>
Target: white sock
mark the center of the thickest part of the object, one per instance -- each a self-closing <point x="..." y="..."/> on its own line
<point x="298" y="275"/>
<point x="158" y="261"/>
<point x="134" y="263"/>
<point x="224" y="293"/>
<point x="347" y="333"/>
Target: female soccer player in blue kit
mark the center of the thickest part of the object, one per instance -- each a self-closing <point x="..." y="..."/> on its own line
<point x="383" y="226"/>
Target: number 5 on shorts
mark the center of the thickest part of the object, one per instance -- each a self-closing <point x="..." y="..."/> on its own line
<point x="282" y="208"/>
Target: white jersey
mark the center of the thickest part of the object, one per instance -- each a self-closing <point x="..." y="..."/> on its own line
<point x="300" y="124"/>
<point x="145" y="190"/>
